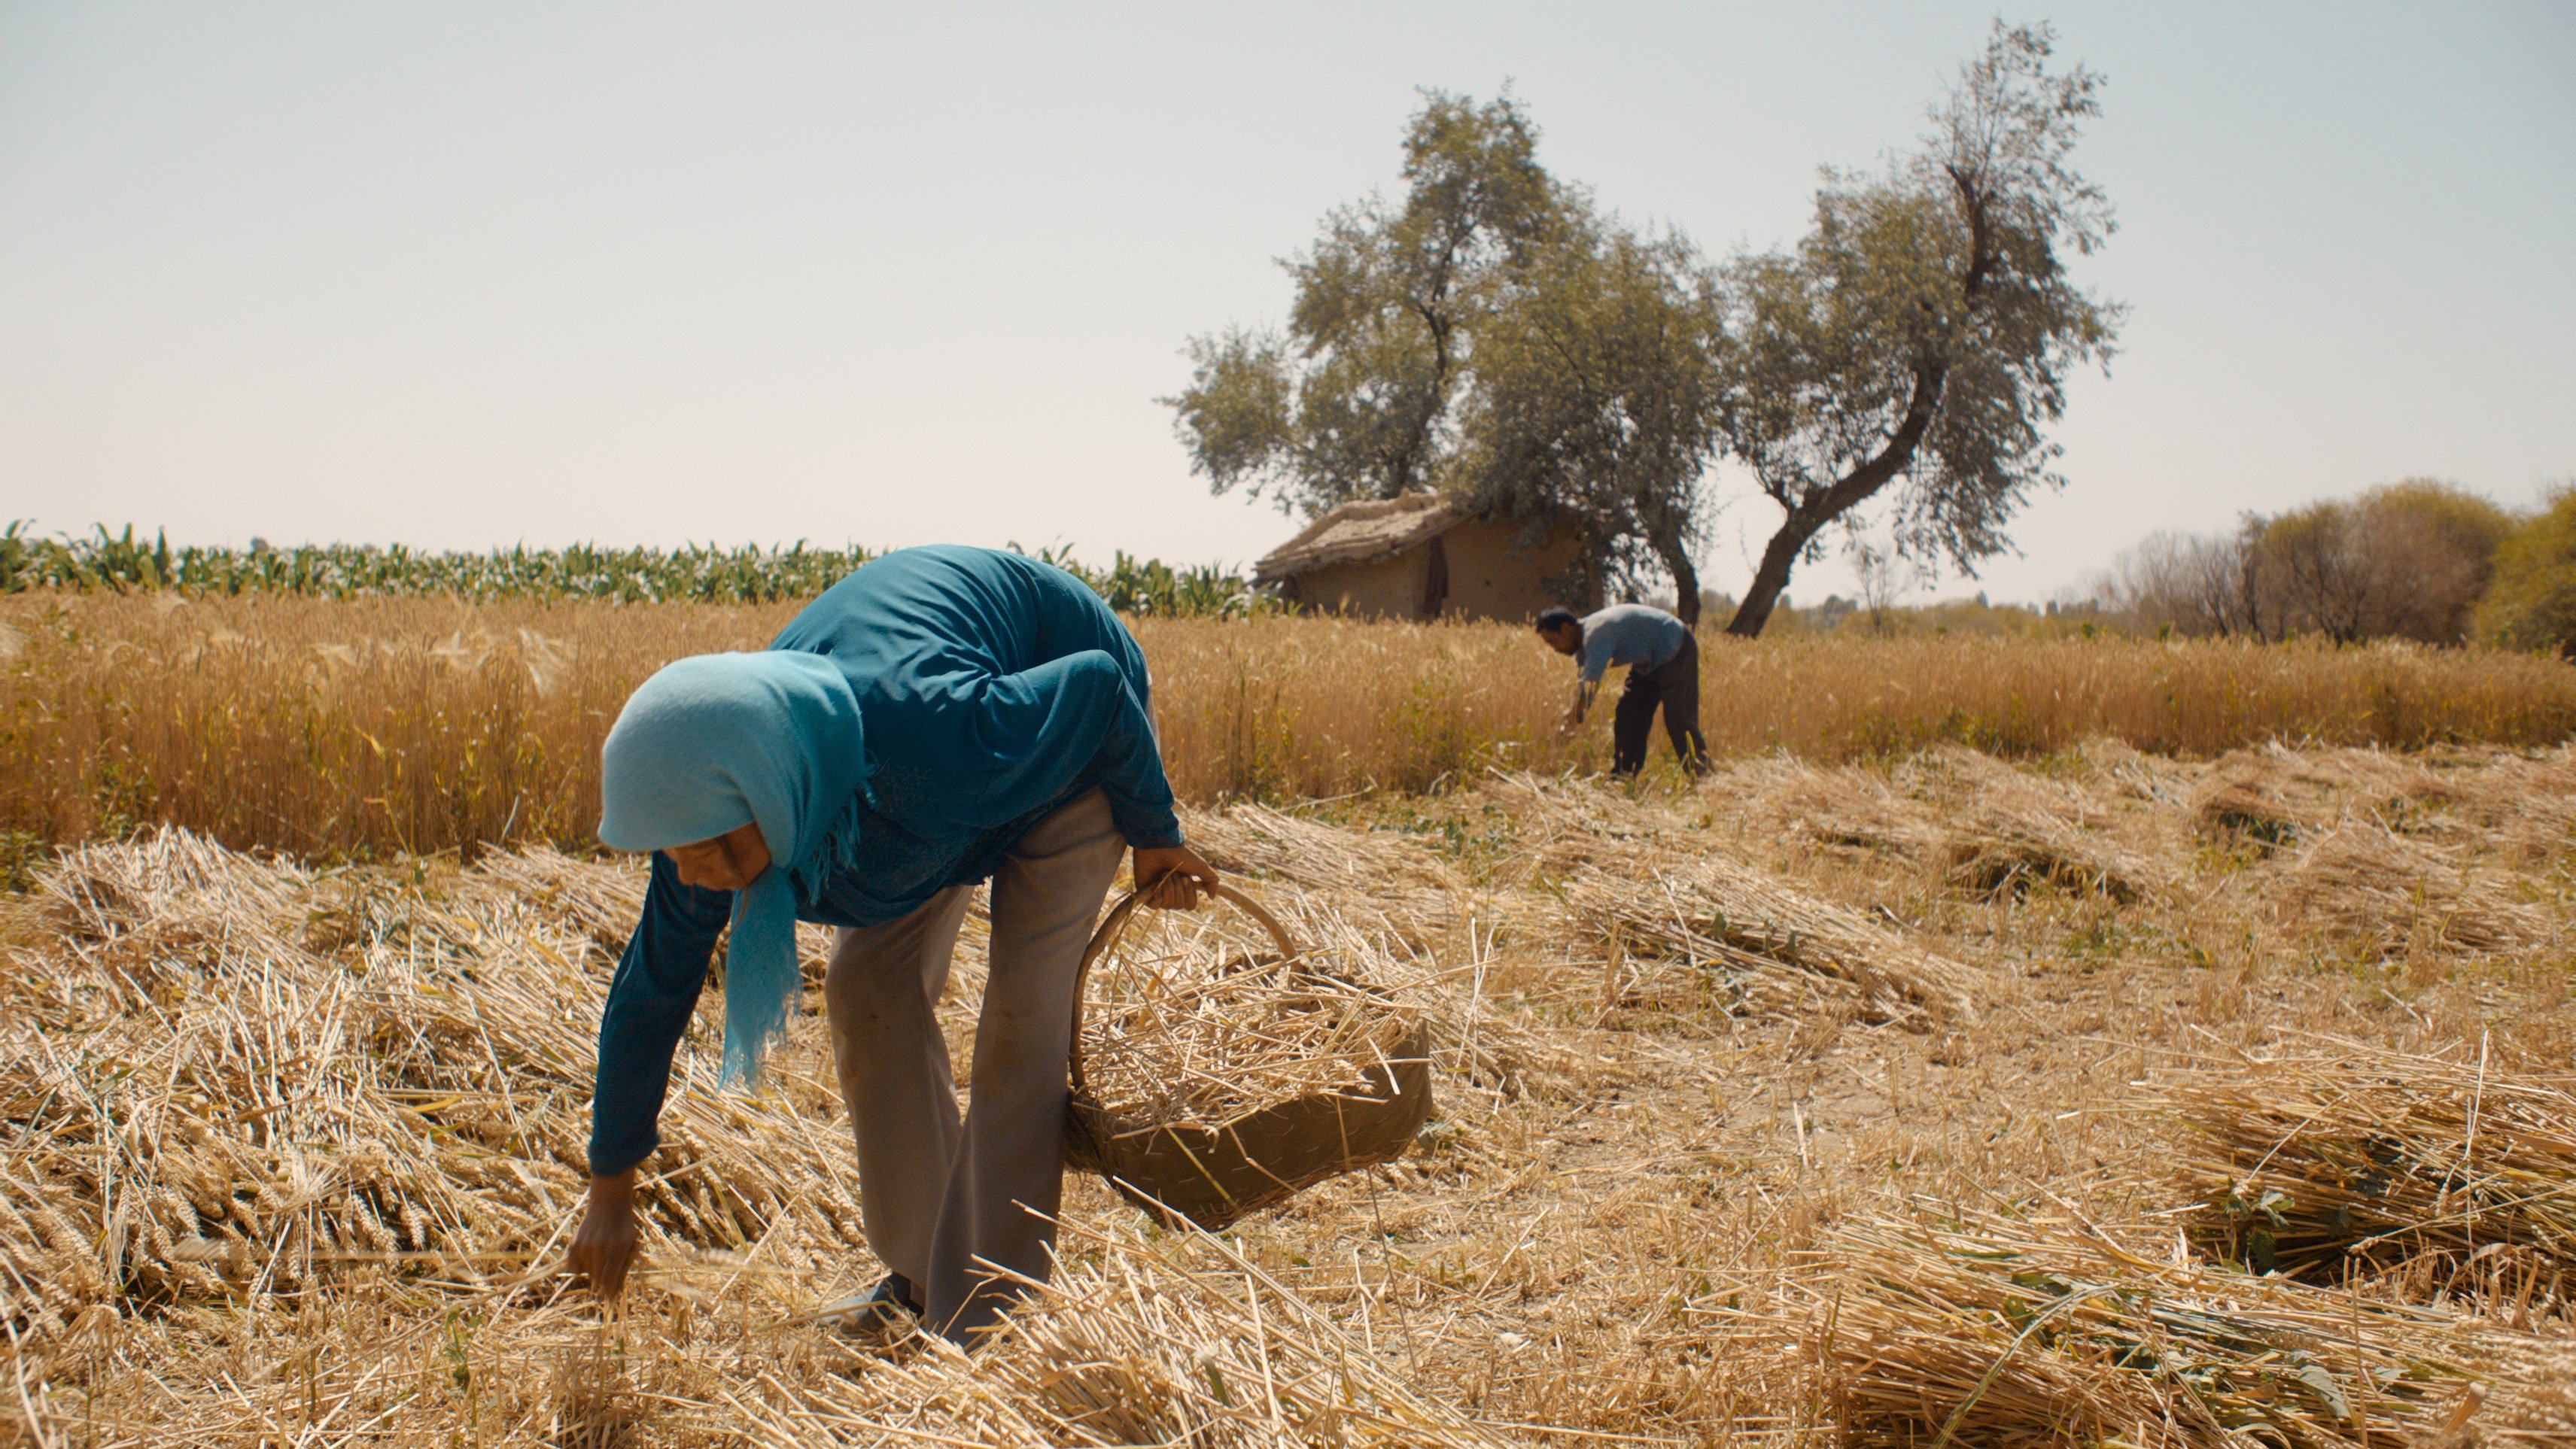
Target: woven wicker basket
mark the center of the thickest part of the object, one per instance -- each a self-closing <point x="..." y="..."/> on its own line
<point x="1212" y="1175"/>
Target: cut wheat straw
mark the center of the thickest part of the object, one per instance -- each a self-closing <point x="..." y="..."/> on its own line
<point x="240" y="1078"/>
<point x="2387" y="894"/>
<point x="1182" y="1341"/>
<point x="1197" y="1020"/>
<point x="287" y="1154"/>
<point x="1375" y="872"/>
<point x="1838" y="808"/>
<point x="1725" y="918"/>
<point x="2347" y="1158"/>
<point x="1989" y="1330"/>
<point x="235" y="1082"/>
<point x="2013" y="830"/>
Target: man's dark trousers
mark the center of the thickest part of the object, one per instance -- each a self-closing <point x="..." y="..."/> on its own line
<point x="1674" y="684"/>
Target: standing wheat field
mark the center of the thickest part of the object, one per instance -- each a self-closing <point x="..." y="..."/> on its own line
<point x="332" y="727"/>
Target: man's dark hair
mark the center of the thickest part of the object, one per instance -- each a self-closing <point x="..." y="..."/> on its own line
<point x="1551" y="620"/>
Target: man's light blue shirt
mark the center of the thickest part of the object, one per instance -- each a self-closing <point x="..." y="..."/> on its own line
<point x="1630" y="634"/>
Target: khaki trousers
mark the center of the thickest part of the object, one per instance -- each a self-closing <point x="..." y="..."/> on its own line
<point x="941" y="1198"/>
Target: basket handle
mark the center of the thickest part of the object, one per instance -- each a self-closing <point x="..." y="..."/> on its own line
<point x="1116" y="921"/>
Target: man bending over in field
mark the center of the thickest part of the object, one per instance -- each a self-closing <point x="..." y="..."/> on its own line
<point x="1663" y="668"/>
<point x="941" y="717"/>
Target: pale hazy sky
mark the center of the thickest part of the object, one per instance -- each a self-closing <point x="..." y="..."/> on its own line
<point x="460" y="275"/>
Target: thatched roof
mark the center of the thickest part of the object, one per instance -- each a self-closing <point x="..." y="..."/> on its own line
<point x="1358" y="533"/>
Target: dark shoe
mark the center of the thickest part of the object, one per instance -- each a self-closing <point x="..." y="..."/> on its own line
<point x="890" y="1312"/>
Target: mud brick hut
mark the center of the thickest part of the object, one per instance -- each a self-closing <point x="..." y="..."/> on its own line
<point x="1420" y="557"/>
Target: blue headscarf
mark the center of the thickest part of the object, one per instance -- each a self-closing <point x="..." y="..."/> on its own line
<point x="710" y="744"/>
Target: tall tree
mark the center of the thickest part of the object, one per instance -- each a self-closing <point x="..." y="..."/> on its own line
<point x="2532" y="604"/>
<point x="2308" y="560"/>
<point x="1922" y="333"/>
<point x="2431" y="545"/>
<point x="2405" y="560"/>
<point x="1595" y="402"/>
<point x="1359" y="399"/>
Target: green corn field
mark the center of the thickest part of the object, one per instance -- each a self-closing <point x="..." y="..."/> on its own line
<point x="750" y="574"/>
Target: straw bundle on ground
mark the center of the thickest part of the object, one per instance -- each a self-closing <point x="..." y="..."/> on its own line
<point x="1182" y="1342"/>
<point x="2359" y="1159"/>
<point x="1564" y="823"/>
<point x="2006" y="846"/>
<point x="2002" y="1331"/>
<point x="1723" y="917"/>
<point x="2524" y="804"/>
<point x="231" y="1077"/>
<point x="2243" y="799"/>
<point x="2013" y="830"/>
<point x="2387" y="894"/>
<point x="2122" y="770"/>
<point x="2274" y="797"/>
<point x="605" y="902"/>
<point x="2366" y="779"/>
<point x="2005" y="852"/>
<point x="2530" y="1400"/>
<point x="1686" y="932"/>
<point x="1400" y="879"/>
<point x="1841" y="808"/>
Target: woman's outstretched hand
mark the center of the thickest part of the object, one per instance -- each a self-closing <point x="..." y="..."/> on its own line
<point x="1172" y="876"/>
<point x="603" y="1247"/>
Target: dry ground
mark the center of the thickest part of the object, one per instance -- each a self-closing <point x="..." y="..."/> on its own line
<point x="2113" y="1100"/>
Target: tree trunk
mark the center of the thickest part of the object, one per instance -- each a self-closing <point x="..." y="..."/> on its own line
<point x="1676" y="561"/>
<point x="1763" y="594"/>
<point x="1849" y="492"/>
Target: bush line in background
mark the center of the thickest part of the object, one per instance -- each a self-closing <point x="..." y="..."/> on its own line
<point x="376" y="725"/>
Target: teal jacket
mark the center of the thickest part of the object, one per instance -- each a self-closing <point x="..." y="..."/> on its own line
<point x="993" y="688"/>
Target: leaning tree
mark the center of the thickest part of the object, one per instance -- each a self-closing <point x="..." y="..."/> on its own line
<point x="1920" y="336"/>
